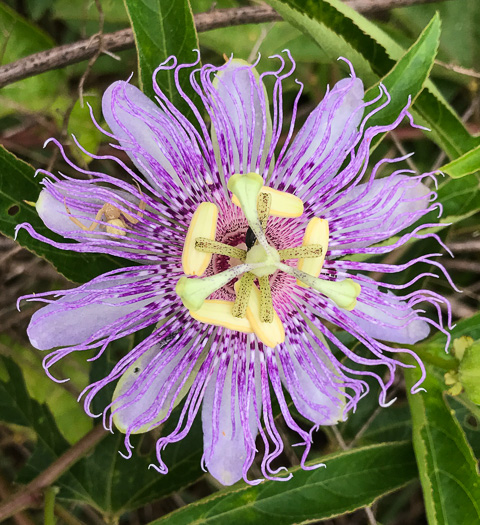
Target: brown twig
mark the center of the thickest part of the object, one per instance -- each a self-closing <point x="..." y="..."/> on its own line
<point x="65" y="55"/>
<point x="61" y="56"/>
<point x="460" y="309"/>
<point x="376" y="6"/>
<point x="472" y="245"/>
<point x="462" y="265"/>
<point x="20" y="518"/>
<point x="32" y="494"/>
<point x="458" y="69"/>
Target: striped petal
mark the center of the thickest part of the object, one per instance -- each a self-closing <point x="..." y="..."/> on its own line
<point x="150" y="388"/>
<point x="159" y="147"/>
<point x="375" y="211"/>
<point x="81" y="314"/>
<point x="241" y="122"/>
<point x="311" y="379"/>
<point x="389" y="319"/>
<point x="322" y="143"/>
<point x="229" y="428"/>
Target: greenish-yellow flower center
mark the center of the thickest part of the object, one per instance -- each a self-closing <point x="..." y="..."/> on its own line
<point x="253" y="307"/>
<point x="257" y="254"/>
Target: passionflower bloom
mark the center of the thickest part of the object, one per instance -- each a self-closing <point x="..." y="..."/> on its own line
<point x="247" y="247"/>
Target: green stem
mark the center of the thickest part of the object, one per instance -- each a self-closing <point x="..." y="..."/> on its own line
<point x="49" y="510"/>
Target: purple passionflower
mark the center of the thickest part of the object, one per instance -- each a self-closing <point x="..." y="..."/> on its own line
<point x="246" y="249"/>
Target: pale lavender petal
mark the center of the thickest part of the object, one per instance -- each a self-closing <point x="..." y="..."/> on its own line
<point x="94" y="309"/>
<point x="375" y="211"/>
<point x="240" y="117"/>
<point x="323" y="142"/>
<point x="315" y="389"/>
<point x="160" y="147"/>
<point x="151" y="382"/>
<point x="384" y="316"/>
<point x="225" y="438"/>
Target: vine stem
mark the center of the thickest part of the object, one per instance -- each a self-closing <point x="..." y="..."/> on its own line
<point x="61" y="56"/>
<point x="32" y="494"/>
<point x="49" y="506"/>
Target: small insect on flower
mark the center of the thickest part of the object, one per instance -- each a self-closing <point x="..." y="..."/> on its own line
<point x="114" y="218"/>
<point x="250" y="251"/>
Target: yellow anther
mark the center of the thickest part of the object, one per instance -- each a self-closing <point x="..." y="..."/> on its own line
<point x="270" y="334"/>
<point x="203" y="224"/>
<point x="243" y="290"/>
<point x="208" y="246"/>
<point x="300" y="252"/>
<point x="219" y="313"/>
<point x="283" y="204"/>
<point x="316" y="232"/>
<point x="266" y="305"/>
<point x="264" y="203"/>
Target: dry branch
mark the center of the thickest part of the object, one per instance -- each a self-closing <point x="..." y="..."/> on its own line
<point x="61" y="56"/>
<point x="32" y="494"/>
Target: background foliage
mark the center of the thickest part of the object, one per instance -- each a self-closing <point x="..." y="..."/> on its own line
<point x="412" y="462"/>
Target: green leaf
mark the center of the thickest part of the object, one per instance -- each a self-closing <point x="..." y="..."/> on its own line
<point x="69" y="416"/>
<point x="85" y="16"/>
<point x="386" y="425"/>
<point x="409" y="74"/>
<point x="341" y="31"/>
<point x="115" y="485"/>
<point x="461" y="17"/>
<point x="19" y="39"/>
<point x="240" y="41"/>
<point x="17" y="185"/>
<point x="460" y="198"/>
<point x="163" y="28"/>
<point x="447" y="466"/>
<point x="469" y="326"/>
<point x="81" y="125"/>
<point x="447" y="130"/>
<point x="17" y="407"/>
<point x="326" y="26"/>
<point x="465" y="165"/>
<point x="352" y="479"/>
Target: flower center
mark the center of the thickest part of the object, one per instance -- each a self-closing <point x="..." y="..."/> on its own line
<point x="257" y="254"/>
<point x="252" y="310"/>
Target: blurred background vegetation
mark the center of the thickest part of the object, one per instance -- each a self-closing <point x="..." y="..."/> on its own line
<point x="42" y="419"/>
